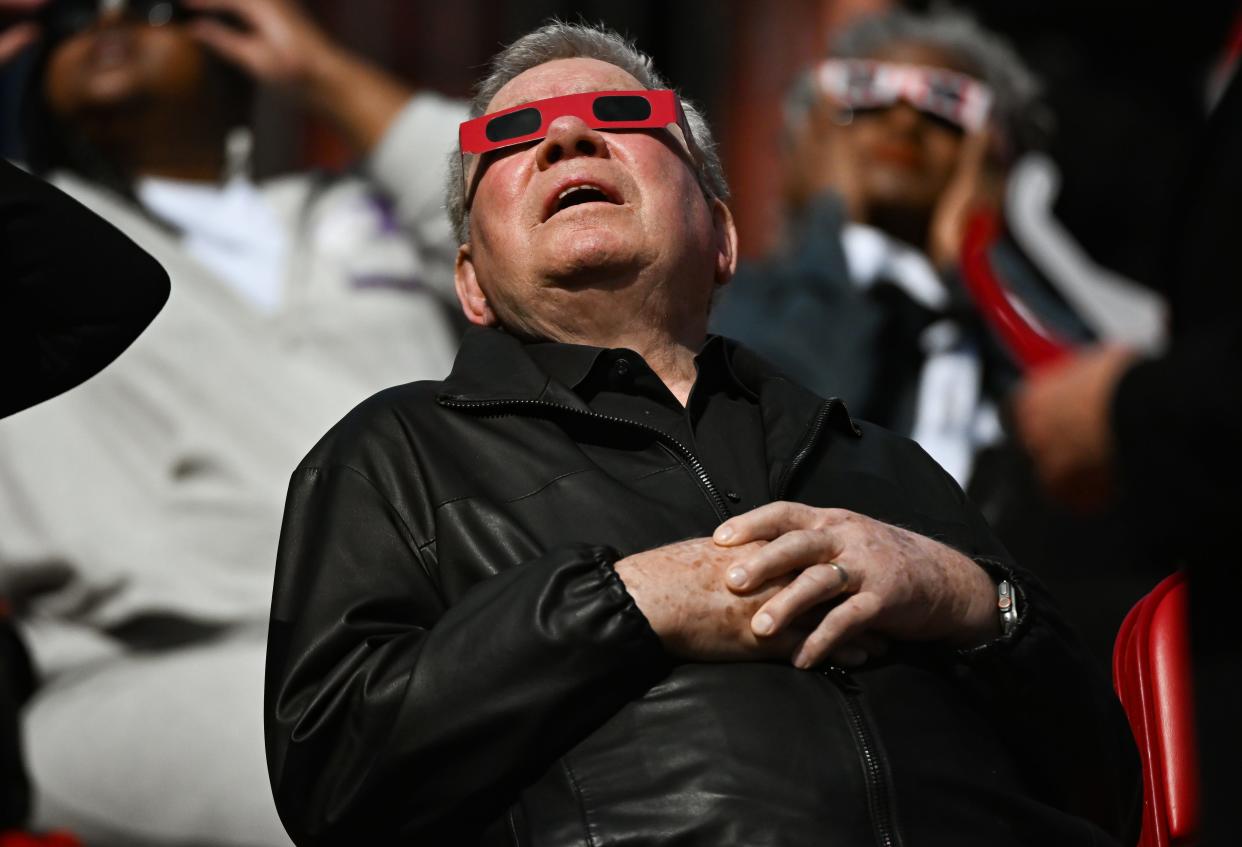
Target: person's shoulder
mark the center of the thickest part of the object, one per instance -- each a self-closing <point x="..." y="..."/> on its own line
<point x="903" y="462"/>
<point x="380" y="428"/>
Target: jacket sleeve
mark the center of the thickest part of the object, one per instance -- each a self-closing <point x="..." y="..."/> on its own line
<point x="74" y="291"/>
<point x="393" y="718"/>
<point x="1178" y="426"/>
<point x="1177" y="418"/>
<point x="1056" y="706"/>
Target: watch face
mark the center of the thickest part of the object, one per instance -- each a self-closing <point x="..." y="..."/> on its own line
<point x="1007" y="605"/>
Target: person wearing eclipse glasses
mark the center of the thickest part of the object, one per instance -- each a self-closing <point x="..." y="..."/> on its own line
<point x="616" y="580"/>
<point x="906" y="133"/>
<point x="292" y="299"/>
<point x="892" y="141"/>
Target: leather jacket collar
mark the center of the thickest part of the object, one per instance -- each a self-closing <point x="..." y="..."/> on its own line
<point x="493" y="369"/>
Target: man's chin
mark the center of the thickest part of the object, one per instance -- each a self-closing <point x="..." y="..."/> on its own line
<point x="901" y="194"/>
<point x="591" y="258"/>
<point x="610" y="274"/>
<point x="110" y="101"/>
<point x="114" y="83"/>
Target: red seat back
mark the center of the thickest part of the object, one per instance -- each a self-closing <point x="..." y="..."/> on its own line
<point x="1151" y="672"/>
<point x="14" y="838"/>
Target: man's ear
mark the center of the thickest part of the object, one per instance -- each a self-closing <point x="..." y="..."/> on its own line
<point x="469" y="293"/>
<point x="726" y="241"/>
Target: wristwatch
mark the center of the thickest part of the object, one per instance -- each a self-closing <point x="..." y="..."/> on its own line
<point x="1007" y="605"/>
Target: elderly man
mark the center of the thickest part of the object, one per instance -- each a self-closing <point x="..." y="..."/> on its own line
<point x="615" y="581"/>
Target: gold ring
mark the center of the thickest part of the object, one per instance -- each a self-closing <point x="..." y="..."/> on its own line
<point x="841" y="572"/>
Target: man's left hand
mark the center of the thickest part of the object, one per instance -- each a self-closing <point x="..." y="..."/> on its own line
<point x="885" y="581"/>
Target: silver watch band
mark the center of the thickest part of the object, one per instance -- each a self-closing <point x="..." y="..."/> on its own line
<point x="1007" y="605"/>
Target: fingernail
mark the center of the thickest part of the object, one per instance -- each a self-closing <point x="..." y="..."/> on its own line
<point x="762" y="624"/>
<point x="724" y="533"/>
<point x="801" y="660"/>
<point x="737" y="577"/>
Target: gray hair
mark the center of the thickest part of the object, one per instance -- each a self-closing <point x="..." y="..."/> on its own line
<point x="560" y="40"/>
<point x="1017" y="109"/>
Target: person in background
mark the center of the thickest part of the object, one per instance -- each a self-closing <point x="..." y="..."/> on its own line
<point x="292" y="299"/>
<point x="1162" y="436"/>
<point x="890" y="143"/>
<point x="64" y="315"/>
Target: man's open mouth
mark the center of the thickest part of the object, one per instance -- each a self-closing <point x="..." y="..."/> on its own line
<point x="578" y="195"/>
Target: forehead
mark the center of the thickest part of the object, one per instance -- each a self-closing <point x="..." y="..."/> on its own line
<point x="559" y="77"/>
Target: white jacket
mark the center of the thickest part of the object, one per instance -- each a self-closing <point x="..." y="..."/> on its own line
<point x="158" y="486"/>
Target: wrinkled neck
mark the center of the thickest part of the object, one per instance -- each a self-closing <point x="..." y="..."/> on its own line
<point x="667" y="339"/>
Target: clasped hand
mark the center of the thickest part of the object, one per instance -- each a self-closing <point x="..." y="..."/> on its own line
<point x="795" y="582"/>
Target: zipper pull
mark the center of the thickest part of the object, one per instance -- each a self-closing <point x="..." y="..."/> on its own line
<point x="842" y="677"/>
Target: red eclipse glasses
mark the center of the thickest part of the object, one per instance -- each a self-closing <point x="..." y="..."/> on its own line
<point x="607" y="110"/>
<point x="599" y="109"/>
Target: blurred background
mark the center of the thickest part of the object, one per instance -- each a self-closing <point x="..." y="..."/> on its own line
<point x="1122" y="81"/>
<point x="1123" y="106"/>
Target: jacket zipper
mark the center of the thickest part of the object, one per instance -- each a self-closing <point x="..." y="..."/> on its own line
<point x="683" y="453"/>
<point x="817" y="427"/>
<point x="875" y="777"/>
<point x="879" y="793"/>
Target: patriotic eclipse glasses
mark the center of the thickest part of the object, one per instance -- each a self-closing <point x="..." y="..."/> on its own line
<point x="862" y="84"/>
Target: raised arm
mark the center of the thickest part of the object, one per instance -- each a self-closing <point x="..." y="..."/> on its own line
<point x="74" y="291"/>
<point x="276" y="42"/>
<point x="404" y="135"/>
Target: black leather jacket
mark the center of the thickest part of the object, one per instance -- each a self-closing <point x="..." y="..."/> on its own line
<point x="453" y="661"/>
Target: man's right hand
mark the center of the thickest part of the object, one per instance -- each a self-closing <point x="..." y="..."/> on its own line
<point x="18" y="37"/>
<point x="680" y="588"/>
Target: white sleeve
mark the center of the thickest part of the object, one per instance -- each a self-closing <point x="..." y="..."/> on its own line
<point x="410" y="164"/>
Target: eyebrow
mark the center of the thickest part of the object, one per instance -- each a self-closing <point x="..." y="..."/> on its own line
<point x="566" y="94"/>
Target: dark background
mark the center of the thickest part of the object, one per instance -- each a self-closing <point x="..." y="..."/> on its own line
<point x="1124" y="81"/>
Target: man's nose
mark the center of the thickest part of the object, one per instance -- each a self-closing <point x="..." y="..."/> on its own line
<point x="569" y="137"/>
<point x="110" y="16"/>
<point x="114" y="10"/>
<point x="903" y="117"/>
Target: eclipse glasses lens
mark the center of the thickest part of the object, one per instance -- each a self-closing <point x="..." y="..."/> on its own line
<point x="68" y="17"/>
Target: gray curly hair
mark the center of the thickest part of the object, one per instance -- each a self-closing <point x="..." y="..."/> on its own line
<point x="560" y="40"/>
<point x="1017" y="109"/>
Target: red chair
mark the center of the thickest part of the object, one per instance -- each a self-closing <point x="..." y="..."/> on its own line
<point x="1151" y="672"/>
<point x="49" y="839"/>
<point x="1031" y="345"/>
